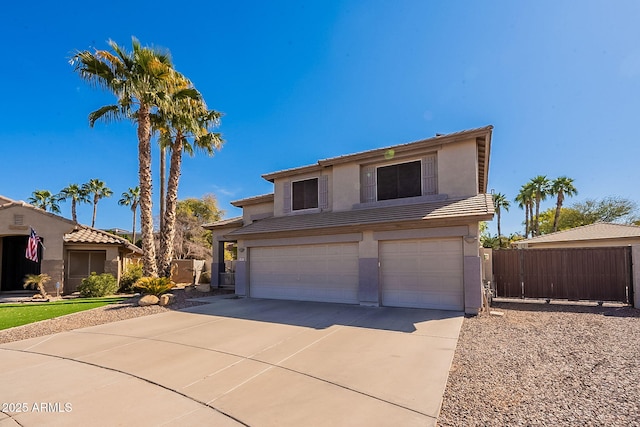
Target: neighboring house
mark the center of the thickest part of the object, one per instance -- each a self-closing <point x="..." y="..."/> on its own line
<point x="72" y="251"/>
<point x="601" y="234"/>
<point x="394" y="226"/>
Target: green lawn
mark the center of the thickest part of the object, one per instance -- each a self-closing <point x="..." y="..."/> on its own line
<point x="22" y="313"/>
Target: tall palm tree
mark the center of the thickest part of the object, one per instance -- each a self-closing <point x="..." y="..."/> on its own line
<point x="561" y="187"/>
<point x="184" y="126"/>
<point x="98" y="190"/>
<point x="138" y="79"/>
<point x="541" y="187"/>
<point x="500" y="202"/>
<point x="525" y="200"/>
<point x="131" y="198"/>
<point x="46" y="200"/>
<point x="77" y="194"/>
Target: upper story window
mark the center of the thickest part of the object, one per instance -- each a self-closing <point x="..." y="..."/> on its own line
<point x="399" y="180"/>
<point x="305" y="194"/>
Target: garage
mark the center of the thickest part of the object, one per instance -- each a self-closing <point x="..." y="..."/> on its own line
<point x="326" y="272"/>
<point x="423" y="273"/>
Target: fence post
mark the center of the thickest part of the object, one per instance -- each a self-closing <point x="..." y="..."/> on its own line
<point x="521" y="268"/>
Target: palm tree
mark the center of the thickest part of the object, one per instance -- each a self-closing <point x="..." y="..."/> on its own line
<point x="45" y="200"/>
<point x="138" y="79"/>
<point x="525" y="200"/>
<point x="541" y="188"/>
<point x="131" y="198"/>
<point x="561" y="187"/>
<point x="99" y="190"/>
<point x="77" y="194"/>
<point x="184" y="126"/>
<point x="500" y="202"/>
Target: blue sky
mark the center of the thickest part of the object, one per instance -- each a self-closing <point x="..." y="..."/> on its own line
<point x="298" y="81"/>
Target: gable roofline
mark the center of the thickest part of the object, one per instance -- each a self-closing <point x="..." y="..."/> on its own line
<point x="596" y="231"/>
<point x="84" y="234"/>
<point x="253" y="200"/>
<point x="229" y="222"/>
<point x="482" y="135"/>
<point x="23" y="204"/>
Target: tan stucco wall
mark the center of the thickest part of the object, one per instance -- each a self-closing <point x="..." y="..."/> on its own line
<point x="346" y="186"/>
<point x="457" y="169"/>
<point x="258" y="210"/>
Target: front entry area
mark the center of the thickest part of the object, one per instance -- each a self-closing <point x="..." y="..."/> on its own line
<point x="15" y="266"/>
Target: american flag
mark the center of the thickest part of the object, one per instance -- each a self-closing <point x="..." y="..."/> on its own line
<point x="32" y="246"/>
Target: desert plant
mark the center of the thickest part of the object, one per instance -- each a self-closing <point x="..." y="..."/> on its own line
<point x="37" y="281"/>
<point x="129" y="277"/>
<point x="205" y="277"/>
<point x="153" y="285"/>
<point x="98" y="285"/>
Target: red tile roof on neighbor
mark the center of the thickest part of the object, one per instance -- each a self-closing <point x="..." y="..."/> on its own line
<point x="480" y="206"/>
<point x="597" y="231"/>
<point x="84" y="234"/>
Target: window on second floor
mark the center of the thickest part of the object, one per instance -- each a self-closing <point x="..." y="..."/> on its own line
<point x="399" y="181"/>
<point x="412" y="178"/>
<point x="305" y="194"/>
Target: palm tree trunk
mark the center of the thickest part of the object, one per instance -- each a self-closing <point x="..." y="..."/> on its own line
<point x="133" y="229"/>
<point x="530" y="218"/>
<point x="163" y="184"/>
<point x="558" y="208"/>
<point x="73" y="210"/>
<point x="498" y="214"/>
<point x="146" y="206"/>
<point x="95" y="209"/>
<point x="168" y="234"/>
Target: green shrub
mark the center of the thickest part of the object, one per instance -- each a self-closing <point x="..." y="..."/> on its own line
<point x="129" y="277"/>
<point x="98" y="285"/>
<point x="153" y="285"/>
<point x="205" y="277"/>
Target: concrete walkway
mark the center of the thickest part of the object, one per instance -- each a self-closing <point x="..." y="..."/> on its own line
<point x="236" y="362"/>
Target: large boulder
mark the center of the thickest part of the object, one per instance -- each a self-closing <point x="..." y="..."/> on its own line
<point x="166" y="299"/>
<point x="203" y="287"/>
<point x="148" y="300"/>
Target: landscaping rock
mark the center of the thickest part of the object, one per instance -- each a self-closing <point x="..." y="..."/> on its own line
<point x="166" y="299"/>
<point x="148" y="300"/>
<point x="203" y="287"/>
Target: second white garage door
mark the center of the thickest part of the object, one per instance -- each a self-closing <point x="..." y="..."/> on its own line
<point x="422" y="273"/>
<point x="327" y="272"/>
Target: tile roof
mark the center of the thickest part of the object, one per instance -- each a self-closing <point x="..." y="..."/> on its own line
<point x="597" y="231"/>
<point x="224" y="222"/>
<point x="476" y="206"/>
<point x="483" y="133"/>
<point x="263" y="198"/>
<point x="84" y="234"/>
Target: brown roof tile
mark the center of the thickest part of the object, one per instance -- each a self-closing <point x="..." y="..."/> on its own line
<point x="597" y="231"/>
<point x="85" y="234"/>
<point x="476" y="206"/>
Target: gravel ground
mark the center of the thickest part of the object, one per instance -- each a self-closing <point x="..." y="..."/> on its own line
<point x="97" y="316"/>
<point x="546" y="365"/>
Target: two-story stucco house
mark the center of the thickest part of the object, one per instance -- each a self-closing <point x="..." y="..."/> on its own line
<point x="395" y="226"/>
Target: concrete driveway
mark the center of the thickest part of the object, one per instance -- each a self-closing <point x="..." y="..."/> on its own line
<point x="236" y="362"/>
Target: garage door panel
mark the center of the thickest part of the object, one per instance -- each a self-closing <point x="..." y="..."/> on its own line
<point x="425" y="273"/>
<point x="305" y="272"/>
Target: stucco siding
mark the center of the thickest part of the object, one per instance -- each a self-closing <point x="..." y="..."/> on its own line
<point x="458" y="169"/>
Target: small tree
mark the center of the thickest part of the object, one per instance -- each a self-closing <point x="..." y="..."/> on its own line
<point x="37" y="281"/>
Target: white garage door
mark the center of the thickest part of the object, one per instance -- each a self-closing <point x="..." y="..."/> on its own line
<point x="326" y="273"/>
<point x="422" y="273"/>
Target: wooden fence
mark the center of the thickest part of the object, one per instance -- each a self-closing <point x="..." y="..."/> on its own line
<point x="596" y="274"/>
